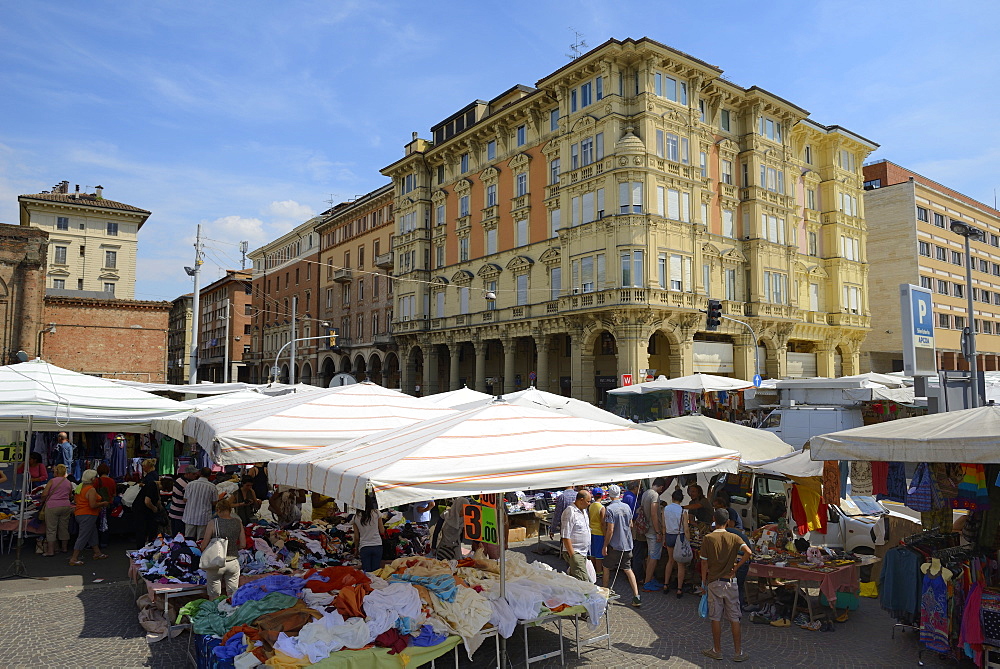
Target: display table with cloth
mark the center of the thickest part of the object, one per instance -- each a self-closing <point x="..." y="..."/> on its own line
<point x="831" y="580"/>
<point x="376" y="658"/>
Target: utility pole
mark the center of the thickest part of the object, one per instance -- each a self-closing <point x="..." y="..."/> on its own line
<point x="225" y="350"/>
<point x="243" y="250"/>
<point x="291" y="364"/>
<point x="195" y="272"/>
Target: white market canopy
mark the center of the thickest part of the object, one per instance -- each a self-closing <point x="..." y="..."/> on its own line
<point x="751" y="443"/>
<point x="454" y="398"/>
<point x="693" y="383"/>
<point x="195" y="389"/>
<point x="540" y="399"/>
<point x="492" y="449"/>
<point x="797" y="463"/>
<point x="970" y="436"/>
<point x="298" y="422"/>
<point x="60" y="399"/>
<point x="173" y="426"/>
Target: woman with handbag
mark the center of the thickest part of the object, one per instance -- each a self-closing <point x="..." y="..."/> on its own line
<point x="224" y="537"/>
<point x="675" y="520"/>
<point x="88" y="506"/>
<point x="57" y="507"/>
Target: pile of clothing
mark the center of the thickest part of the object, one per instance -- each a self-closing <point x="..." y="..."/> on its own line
<point x="169" y="560"/>
<point x="301" y="619"/>
<point x="302" y="545"/>
<point x="403" y="538"/>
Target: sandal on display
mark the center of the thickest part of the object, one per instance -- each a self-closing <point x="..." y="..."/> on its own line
<point x="781" y="622"/>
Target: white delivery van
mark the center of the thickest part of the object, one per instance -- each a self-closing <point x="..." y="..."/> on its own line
<point x="858" y="524"/>
<point x="795" y="425"/>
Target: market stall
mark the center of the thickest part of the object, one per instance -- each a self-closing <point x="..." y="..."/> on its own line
<point x="35" y="395"/>
<point x="490" y="450"/>
<point x="717" y="396"/>
<point x="752" y="444"/>
<point x="173" y="426"/>
<point x="942" y="582"/>
<point x="300" y="422"/>
<point x="539" y="399"/>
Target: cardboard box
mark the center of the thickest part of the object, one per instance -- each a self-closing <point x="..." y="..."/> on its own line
<point x="515" y="534"/>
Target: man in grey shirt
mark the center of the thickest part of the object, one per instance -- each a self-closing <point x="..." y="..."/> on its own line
<point x="618" y="541"/>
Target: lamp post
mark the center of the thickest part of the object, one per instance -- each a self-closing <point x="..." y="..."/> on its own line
<point x="969" y="334"/>
<point x="274" y="369"/>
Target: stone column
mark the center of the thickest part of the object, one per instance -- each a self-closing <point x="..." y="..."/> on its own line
<point x="825" y="365"/>
<point x="431" y="371"/>
<point x="481" y="365"/>
<point x="509" y="351"/>
<point x="588" y="391"/>
<point x="542" y="369"/>
<point x="743" y="357"/>
<point x="407" y="370"/>
<point x="682" y="363"/>
<point x="576" y="364"/>
<point x="455" y="349"/>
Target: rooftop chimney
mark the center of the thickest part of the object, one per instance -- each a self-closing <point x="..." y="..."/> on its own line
<point x="99" y="192"/>
<point x="61" y="187"/>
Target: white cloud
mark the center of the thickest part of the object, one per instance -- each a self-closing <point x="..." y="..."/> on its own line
<point x="288" y="211"/>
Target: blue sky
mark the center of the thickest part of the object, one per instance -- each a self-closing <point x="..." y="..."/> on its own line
<point x="248" y="116"/>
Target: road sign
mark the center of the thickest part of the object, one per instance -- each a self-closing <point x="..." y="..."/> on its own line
<point x="532" y="376"/>
<point x="626" y="380"/>
<point x="757" y="380"/>
<point x="916" y="307"/>
<point x="481" y="519"/>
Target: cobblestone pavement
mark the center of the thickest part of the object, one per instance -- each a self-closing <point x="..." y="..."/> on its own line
<point x="61" y="623"/>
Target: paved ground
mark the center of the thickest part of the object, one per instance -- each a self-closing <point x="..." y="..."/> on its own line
<point x="70" y="621"/>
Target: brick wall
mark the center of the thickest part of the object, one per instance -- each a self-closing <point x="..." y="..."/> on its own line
<point x="22" y="288"/>
<point x="101" y="337"/>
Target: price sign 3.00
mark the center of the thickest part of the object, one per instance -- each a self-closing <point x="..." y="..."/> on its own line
<point x="480" y="523"/>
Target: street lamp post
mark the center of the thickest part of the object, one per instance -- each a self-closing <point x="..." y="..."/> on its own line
<point x="969" y="334"/>
<point x="274" y="369"/>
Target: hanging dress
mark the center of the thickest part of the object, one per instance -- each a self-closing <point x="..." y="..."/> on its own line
<point x="934" y="619"/>
<point x="118" y="460"/>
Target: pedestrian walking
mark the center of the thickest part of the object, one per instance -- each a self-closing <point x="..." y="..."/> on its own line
<point x="574" y="528"/>
<point x="564" y="500"/>
<point x="675" y="522"/>
<point x="596" y="514"/>
<point x="88" y="505"/>
<point x="57" y="503"/>
<point x="649" y="507"/>
<point x="722" y="555"/>
<point x="617" y="551"/>
<point x="200" y="496"/>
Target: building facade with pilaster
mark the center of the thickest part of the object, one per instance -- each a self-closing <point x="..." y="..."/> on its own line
<point x="603" y="207"/>
<point x="285" y="282"/>
<point x="356" y="289"/>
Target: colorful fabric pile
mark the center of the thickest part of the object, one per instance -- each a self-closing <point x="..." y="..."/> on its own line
<point x="304" y="618"/>
<point x="302" y="545"/>
<point x="169" y="560"/>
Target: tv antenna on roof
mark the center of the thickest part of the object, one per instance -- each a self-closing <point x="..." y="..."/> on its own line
<point x="332" y="201"/>
<point x="243" y="250"/>
<point x="577" y="45"/>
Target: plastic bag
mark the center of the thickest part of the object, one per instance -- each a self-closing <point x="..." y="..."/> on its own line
<point x="703" y="605"/>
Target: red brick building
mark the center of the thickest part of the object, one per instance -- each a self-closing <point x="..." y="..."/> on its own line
<point x="235" y="287"/>
<point x="23" y="257"/>
<point x="286" y="281"/>
<point x="124" y="339"/>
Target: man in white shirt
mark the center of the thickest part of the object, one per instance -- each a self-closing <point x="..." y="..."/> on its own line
<point x="575" y="532"/>
<point x="673" y="528"/>
<point x="650" y="506"/>
<point x="200" y="497"/>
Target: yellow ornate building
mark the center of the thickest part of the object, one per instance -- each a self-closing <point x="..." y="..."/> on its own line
<point x="603" y="207"/>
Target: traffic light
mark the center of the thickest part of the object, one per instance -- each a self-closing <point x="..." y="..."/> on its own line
<point x="714" y="315"/>
<point x="332" y="334"/>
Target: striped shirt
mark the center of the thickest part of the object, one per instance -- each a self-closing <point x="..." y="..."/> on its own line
<point x="200" y="495"/>
<point x="177" y="498"/>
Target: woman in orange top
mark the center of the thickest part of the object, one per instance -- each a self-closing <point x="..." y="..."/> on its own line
<point x="88" y="506"/>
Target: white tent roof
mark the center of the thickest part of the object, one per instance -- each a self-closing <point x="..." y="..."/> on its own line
<point x="290" y="424"/>
<point x="173" y="426"/>
<point x="195" y="389"/>
<point x="454" y="398"/>
<point x="694" y="383"/>
<point x="797" y="463"/>
<point x="60" y="399"/>
<point x="752" y="444"/>
<point x="970" y="436"/>
<point x="491" y="449"/>
<point x="539" y="399"/>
